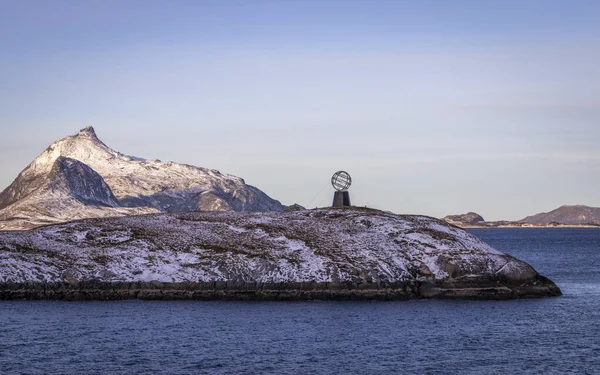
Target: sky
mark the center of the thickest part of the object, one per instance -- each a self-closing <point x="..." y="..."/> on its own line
<point x="434" y="107"/>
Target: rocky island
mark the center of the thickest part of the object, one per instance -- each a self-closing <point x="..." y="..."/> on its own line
<point x="327" y="254"/>
<point x="83" y="221"/>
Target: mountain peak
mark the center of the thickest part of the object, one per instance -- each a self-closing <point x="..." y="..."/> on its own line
<point x="96" y="181"/>
<point x="88" y="131"/>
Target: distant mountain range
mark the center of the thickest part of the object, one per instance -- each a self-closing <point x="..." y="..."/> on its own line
<point x="572" y="215"/>
<point x="80" y="177"/>
<point x="578" y="215"/>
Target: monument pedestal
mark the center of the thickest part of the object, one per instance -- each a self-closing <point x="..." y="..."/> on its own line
<point x="341" y="199"/>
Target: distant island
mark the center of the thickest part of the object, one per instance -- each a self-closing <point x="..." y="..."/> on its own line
<point x="562" y="217"/>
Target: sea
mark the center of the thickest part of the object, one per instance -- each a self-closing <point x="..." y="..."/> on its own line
<point x="559" y="335"/>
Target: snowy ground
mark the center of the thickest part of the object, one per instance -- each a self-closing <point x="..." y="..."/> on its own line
<point x="323" y="245"/>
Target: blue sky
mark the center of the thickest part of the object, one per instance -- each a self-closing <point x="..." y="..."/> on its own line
<point x="434" y="107"/>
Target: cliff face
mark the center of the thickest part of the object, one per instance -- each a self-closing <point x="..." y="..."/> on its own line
<point x="124" y="185"/>
<point x="70" y="190"/>
<point x="326" y="253"/>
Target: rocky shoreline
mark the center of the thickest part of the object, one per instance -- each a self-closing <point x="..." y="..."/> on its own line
<point x="458" y="289"/>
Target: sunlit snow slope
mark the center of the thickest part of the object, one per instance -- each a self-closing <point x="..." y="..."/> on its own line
<point x="80" y="177"/>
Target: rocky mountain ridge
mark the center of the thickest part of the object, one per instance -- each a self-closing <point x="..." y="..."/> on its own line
<point x="79" y="176"/>
<point x="346" y="253"/>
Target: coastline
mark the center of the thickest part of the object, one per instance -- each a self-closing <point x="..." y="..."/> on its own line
<point x="484" y="288"/>
<point x="560" y="226"/>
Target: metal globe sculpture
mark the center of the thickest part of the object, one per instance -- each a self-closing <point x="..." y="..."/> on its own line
<point x="341" y="180"/>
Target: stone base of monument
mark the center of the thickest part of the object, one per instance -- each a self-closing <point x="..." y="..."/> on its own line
<point x="341" y="199"/>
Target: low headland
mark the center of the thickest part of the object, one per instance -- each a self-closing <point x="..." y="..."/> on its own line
<point x="321" y="254"/>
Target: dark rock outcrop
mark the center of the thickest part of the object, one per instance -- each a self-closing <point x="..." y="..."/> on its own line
<point x="85" y="291"/>
<point x="81" y="182"/>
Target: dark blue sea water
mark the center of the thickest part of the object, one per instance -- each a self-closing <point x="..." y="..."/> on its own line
<point x="539" y="336"/>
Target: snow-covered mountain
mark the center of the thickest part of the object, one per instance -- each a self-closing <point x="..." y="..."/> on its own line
<point x="80" y="177"/>
<point x="321" y="253"/>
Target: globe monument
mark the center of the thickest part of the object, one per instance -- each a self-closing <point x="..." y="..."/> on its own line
<point x="341" y="181"/>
